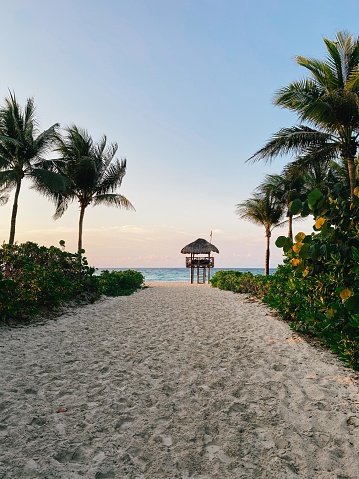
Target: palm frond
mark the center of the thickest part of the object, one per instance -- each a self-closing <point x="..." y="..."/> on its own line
<point x="297" y="95"/>
<point x="6" y="185"/>
<point x="117" y="200"/>
<point x="48" y="182"/>
<point x="293" y="140"/>
<point x="105" y="156"/>
<point x="112" y="177"/>
<point x="335" y="61"/>
<point x="322" y="75"/>
<point x="4" y="198"/>
<point x="100" y="147"/>
<point x="8" y="177"/>
<point x="353" y="80"/>
<point x="62" y="203"/>
<point x="45" y="139"/>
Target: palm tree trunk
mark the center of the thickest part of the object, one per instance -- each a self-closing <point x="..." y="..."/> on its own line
<point x="290" y="226"/>
<point x="14" y="212"/>
<point x="81" y="220"/>
<point x="266" y="263"/>
<point x="352" y="175"/>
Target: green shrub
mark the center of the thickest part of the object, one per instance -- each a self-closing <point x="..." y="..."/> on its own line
<point x="35" y="278"/>
<point x="241" y="282"/>
<point x="319" y="287"/>
<point x="119" y="283"/>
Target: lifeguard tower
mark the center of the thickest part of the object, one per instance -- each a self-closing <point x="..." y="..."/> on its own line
<point x="200" y="260"/>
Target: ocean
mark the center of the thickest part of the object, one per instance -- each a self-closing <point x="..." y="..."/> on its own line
<point x="181" y="275"/>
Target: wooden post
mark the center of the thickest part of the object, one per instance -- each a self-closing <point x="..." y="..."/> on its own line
<point x="209" y="267"/>
<point x="192" y="268"/>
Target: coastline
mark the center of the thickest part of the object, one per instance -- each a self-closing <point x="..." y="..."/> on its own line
<point x="180" y="274"/>
<point x="175" y="381"/>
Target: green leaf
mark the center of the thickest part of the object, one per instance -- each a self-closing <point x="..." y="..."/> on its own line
<point x="352" y="303"/>
<point x="314" y="196"/>
<point x="300" y="237"/>
<point x="354" y="321"/>
<point x="303" y="253"/>
<point x="301" y="267"/>
<point x="295" y="206"/>
<point x="287" y="247"/>
<point x="281" y="241"/>
<point x="305" y="209"/>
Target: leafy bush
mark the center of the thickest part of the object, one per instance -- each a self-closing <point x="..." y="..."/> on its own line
<point x="319" y="289"/>
<point x="35" y="278"/>
<point x="240" y="282"/>
<point x="119" y="283"/>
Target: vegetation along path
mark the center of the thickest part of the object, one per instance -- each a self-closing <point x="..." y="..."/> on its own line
<point x="175" y="381"/>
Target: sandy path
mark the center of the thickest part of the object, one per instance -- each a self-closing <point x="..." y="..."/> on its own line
<point x="151" y="388"/>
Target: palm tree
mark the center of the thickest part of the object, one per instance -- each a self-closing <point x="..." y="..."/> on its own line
<point x="328" y="102"/>
<point x="284" y="188"/>
<point x="92" y="172"/>
<point x="263" y="208"/>
<point x="21" y="151"/>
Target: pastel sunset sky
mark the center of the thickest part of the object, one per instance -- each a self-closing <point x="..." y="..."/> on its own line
<point x="185" y="88"/>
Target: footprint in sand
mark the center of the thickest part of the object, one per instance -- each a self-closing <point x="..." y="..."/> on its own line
<point x="124" y="422"/>
<point x="214" y="451"/>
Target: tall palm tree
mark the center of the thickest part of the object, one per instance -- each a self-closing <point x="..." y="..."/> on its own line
<point x="285" y="188"/>
<point x="21" y="151"/>
<point x="328" y="101"/>
<point x="263" y="209"/>
<point x="92" y="172"/>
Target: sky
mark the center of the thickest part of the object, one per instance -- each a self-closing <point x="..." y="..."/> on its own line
<point x="185" y="88"/>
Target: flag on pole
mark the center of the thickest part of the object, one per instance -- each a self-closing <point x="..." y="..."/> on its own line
<point x="210" y="237"/>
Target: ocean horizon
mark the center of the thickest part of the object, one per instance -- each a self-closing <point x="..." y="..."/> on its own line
<point x="182" y="275"/>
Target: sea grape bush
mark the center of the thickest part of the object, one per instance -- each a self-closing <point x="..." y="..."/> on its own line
<point x="35" y="278"/>
<point x="241" y="282"/>
<point x="120" y="283"/>
<point x="321" y="293"/>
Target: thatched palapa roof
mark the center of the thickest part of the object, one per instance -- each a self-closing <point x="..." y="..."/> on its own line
<point x="200" y="246"/>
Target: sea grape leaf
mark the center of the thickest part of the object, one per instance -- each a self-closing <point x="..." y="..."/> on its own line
<point x="300" y="237"/>
<point x="295" y="206"/>
<point x="303" y="253"/>
<point x="314" y="196"/>
<point x="305" y="209"/>
<point x="281" y="241"/>
<point x="352" y="303"/>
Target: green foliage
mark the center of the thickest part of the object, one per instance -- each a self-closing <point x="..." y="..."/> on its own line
<point x="318" y="288"/>
<point x="119" y="283"/>
<point x="35" y="278"/>
<point x="239" y="282"/>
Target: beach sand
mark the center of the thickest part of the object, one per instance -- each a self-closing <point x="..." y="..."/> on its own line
<point x="175" y="381"/>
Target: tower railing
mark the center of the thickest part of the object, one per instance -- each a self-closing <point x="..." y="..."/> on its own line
<point x="199" y="262"/>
